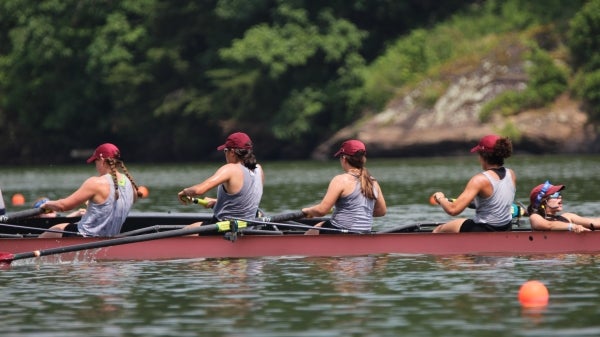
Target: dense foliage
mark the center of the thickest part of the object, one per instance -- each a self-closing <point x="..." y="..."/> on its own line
<point x="166" y="80"/>
<point x="584" y="40"/>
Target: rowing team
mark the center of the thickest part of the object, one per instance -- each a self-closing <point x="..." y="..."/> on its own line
<point x="354" y="194"/>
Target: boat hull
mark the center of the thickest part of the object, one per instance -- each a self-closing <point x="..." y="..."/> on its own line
<point x="249" y="246"/>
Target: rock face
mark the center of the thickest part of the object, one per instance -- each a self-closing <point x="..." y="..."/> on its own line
<point x="409" y="126"/>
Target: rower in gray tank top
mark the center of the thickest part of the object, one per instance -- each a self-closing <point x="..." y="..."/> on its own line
<point x="346" y="215"/>
<point x="497" y="209"/>
<point x="245" y="203"/>
<point x="106" y="219"/>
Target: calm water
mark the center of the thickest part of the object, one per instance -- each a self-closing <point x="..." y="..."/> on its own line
<point x="384" y="295"/>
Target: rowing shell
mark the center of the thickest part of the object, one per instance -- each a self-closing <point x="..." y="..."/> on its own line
<point x="250" y="246"/>
<point x="258" y="240"/>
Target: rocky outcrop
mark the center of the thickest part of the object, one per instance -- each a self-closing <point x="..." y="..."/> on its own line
<point x="451" y="125"/>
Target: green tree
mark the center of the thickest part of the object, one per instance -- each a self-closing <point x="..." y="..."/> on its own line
<point x="584" y="43"/>
<point x="50" y="96"/>
<point x="168" y="78"/>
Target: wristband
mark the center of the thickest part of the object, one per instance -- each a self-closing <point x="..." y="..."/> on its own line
<point x="570" y="227"/>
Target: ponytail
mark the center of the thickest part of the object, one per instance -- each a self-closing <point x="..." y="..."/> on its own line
<point x="358" y="160"/>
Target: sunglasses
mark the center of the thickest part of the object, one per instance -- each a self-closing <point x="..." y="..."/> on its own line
<point x="555" y="195"/>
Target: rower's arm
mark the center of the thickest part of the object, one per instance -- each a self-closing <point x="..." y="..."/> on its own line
<point x="591" y="223"/>
<point x="539" y="223"/>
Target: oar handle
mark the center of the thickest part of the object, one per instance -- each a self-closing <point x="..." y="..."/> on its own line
<point x="284" y="217"/>
<point x="21" y="214"/>
<point x="200" y="201"/>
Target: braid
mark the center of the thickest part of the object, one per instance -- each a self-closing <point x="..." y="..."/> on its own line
<point x="113" y="174"/>
<point x="135" y="186"/>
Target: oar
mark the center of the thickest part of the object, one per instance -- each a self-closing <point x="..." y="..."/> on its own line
<point x="409" y="227"/>
<point x="272" y="220"/>
<point x="222" y="226"/>
<point x="283" y="217"/>
<point x="299" y="226"/>
<point x="38" y="229"/>
<point x="21" y="214"/>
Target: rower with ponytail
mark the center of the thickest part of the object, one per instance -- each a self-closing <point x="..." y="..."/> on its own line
<point x="356" y="194"/>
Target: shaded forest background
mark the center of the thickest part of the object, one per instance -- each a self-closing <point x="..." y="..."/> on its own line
<point x="167" y="80"/>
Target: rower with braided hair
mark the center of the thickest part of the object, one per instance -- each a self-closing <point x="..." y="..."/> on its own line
<point x="109" y="196"/>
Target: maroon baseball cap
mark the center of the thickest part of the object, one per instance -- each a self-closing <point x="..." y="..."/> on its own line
<point x="486" y="144"/>
<point x="106" y="150"/>
<point x="540" y="191"/>
<point x="350" y="147"/>
<point x="237" y="140"/>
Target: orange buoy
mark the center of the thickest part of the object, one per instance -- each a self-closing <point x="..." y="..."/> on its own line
<point x="18" y="199"/>
<point x="144" y="191"/>
<point x="533" y="294"/>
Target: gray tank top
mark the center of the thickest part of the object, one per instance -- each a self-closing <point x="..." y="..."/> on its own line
<point x="106" y="219"/>
<point x="354" y="211"/>
<point x="244" y="204"/>
<point x="496" y="210"/>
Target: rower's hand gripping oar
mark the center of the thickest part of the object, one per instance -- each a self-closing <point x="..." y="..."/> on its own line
<point x="204" y="202"/>
<point x="221" y="226"/>
<point x="21" y="214"/>
<point x="199" y="201"/>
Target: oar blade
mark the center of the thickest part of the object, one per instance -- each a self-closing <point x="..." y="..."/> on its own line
<point x="6" y="258"/>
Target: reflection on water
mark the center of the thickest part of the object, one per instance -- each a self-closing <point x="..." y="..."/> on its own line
<point x="101" y="307"/>
<point x="461" y="262"/>
<point x="235" y="291"/>
<point x="533" y="317"/>
<point x="380" y="295"/>
<point x="350" y="274"/>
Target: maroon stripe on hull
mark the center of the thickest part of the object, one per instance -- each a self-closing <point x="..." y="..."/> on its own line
<point x="509" y="243"/>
